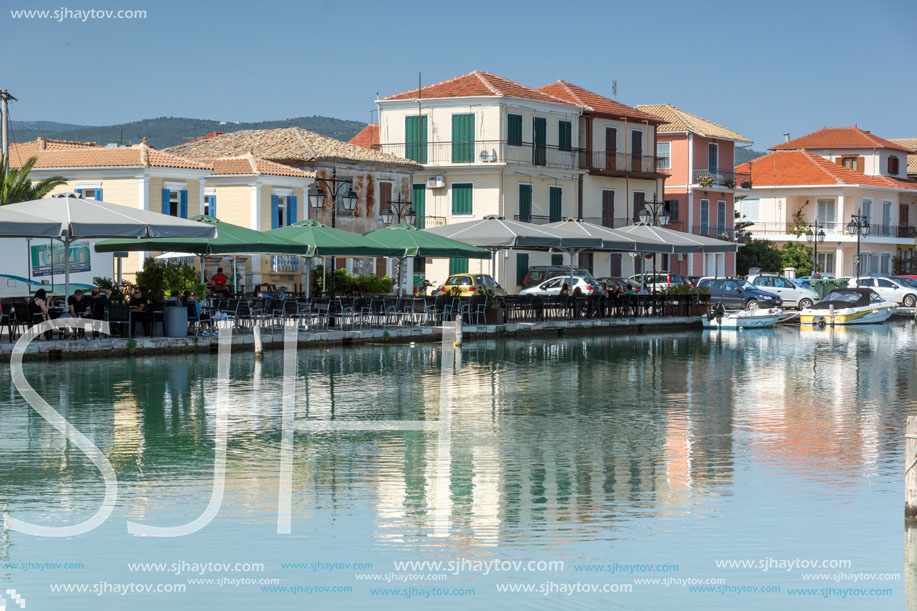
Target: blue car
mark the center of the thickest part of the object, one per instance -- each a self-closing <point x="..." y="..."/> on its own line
<point x="738" y="294"/>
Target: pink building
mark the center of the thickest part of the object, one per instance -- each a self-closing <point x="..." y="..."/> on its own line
<point x="702" y="184"/>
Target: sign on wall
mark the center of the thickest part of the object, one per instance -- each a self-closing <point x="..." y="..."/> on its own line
<point x="44" y="258"/>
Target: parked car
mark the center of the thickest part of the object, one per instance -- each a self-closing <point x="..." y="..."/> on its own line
<point x="467" y="285"/>
<point x="792" y="294"/>
<point x="662" y="280"/>
<point x="888" y="288"/>
<point x="579" y="286"/>
<point x="612" y="281"/>
<point x="734" y="293"/>
<point x="537" y="274"/>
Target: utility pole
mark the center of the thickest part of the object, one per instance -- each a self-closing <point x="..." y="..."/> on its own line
<point x="5" y="123"/>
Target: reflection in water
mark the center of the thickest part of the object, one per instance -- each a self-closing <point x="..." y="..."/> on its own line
<point x="554" y="440"/>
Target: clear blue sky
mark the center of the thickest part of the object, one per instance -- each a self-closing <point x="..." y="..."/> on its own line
<point x="762" y="69"/>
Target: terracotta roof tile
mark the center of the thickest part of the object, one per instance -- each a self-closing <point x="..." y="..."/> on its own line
<point x="91" y="156"/>
<point x="678" y="120"/>
<point x="594" y="102"/>
<point x="802" y="168"/>
<point x="247" y="165"/>
<point x="910" y="143"/>
<point x="368" y="137"/>
<point x="475" y="84"/>
<point x="285" y="145"/>
<point x="839" y="138"/>
<point x="21" y="151"/>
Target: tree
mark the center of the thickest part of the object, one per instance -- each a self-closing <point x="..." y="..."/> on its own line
<point x="16" y="186"/>
<point x="758" y="253"/>
<point x="798" y="255"/>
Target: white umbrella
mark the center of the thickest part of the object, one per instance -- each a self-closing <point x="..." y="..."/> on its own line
<point x="81" y="219"/>
<point x="15" y="224"/>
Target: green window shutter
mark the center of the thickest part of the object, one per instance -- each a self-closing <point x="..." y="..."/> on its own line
<point x="555" y="204"/>
<point x="557" y="259"/>
<point x="539" y="141"/>
<point x="565" y="136"/>
<point x="522" y="266"/>
<point x="458" y="266"/>
<point x="525" y="203"/>
<point x="514" y="130"/>
<point x="415" y="137"/>
<point x="462" y="198"/>
<point x="463" y="138"/>
<point x="420" y="204"/>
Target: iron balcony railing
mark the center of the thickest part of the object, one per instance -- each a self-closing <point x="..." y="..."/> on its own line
<point x="427" y="222"/>
<point x="834" y="230"/>
<point x="722" y="178"/>
<point x="714" y="231"/>
<point x="610" y="161"/>
<point x="284" y="263"/>
<point x="484" y="152"/>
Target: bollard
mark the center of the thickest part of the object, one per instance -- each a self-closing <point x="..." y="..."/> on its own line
<point x="259" y="347"/>
<point x="910" y="473"/>
<point x="831" y="314"/>
<point x="458" y="331"/>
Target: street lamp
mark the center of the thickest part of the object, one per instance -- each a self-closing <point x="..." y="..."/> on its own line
<point x="336" y="186"/>
<point x="858" y="225"/>
<point x="398" y="211"/>
<point x="654" y="214"/>
<point x="814" y="235"/>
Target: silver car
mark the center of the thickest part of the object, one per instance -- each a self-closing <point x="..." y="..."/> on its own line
<point x="792" y="294"/>
<point x="581" y="286"/>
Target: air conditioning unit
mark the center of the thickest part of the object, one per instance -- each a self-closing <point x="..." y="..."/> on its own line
<point x="436" y="182"/>
<point x="489" y="155"/>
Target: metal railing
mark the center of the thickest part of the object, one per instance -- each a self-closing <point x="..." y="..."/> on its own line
<point x="834" y="230"/>
<point x="426" y="222"/>
<point x="723" y="178"/>
<point x="713" y="231"/>
<point x="484" y="152"/>
<point x="609" y="161"/>
<point x="284" y="263"/>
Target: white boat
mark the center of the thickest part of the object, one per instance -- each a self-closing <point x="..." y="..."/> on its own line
<point x="851" y="306"/>
<point x="759" y="318"/>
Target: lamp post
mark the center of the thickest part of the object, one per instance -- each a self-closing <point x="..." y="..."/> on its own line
<point x="858" y="225"/>
<point x="654" y="214"/>
<point x="397" y="211"/>
<point x="348" y="199"/>
<point x="815" y="234"/>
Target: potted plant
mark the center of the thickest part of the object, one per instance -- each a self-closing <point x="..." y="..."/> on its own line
<point x="705" y="181"/>
<point x="746" y="184"/>
<point x="729" y="184"/>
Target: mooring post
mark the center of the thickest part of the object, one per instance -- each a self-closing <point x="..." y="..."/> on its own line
<point x="458" y="330"/>
<point x="259" y="347"/>
<point x="910" y="563"/>
<point x="910" y="465"/>
<point x="831" y="314"/>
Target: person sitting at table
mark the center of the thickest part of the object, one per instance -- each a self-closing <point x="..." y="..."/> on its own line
<point x="139" y="310"/>
<point x="219" y="282"/>
<point x="78" y="307"/>
<point x="565" y="290"/>
<point x="97" y="299"/>
<point x="194" y="310"/>
<point x="38" y="309"/>
<point x="616" y="291"/>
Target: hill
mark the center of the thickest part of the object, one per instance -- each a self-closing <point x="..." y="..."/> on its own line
<point x="746" y="154"/>
<point x="164" y="132"/>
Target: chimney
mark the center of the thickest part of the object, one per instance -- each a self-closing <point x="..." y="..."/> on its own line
<point x="42" y="144"/>
<point x="786" y="137"/>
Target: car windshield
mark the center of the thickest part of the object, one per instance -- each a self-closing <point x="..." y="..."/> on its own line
<point x="459" y="280"/>
<point x="746" y="285"/>
<point x="845" y="296"/>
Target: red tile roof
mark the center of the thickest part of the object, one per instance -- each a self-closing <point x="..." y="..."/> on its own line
<point x="473" y="84"/>
<point x="248" y="165"/>
<point x="802" y="168"/>
<point x="839" y="138"/>
<point x="368" y="137"/>
<point x="593" y="102"/>
<point x="89" y="155"/>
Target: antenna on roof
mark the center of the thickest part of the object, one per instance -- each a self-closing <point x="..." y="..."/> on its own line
<point x="614" y="90"/>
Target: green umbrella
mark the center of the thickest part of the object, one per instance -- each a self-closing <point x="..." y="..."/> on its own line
<point x="416" y="243"/>
<point x="230" y="239"/>
<point x="317" y="240"/>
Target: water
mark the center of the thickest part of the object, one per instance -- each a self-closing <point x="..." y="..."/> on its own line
<point x="675" y="450"/>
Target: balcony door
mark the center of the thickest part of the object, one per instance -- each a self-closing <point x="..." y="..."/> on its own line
<point x="713" y="159"/>
<point x="611" y="148"/>
<point x="636" y="151"/>
<point x="608" y="208"/>
<point x="540" y="141"/>
<point x="825" y="214"/>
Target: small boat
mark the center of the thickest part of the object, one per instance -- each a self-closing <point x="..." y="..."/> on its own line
<point x="759" y="318"/>
<point x="850" y="306"/>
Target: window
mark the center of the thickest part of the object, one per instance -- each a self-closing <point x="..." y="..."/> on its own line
<point x="463" y="138"/>
<point x="420" y="204"/>
<point x="565" y="135"/>
<point x="175" y="202"/>
<point x="672" y="205"/>
<point x="557" y="259"/>
<point x="540" y="139"/>
<point x="514" y="130"/>
<point x="886" y="217"/>
<point x="850" y="163"/>
<point x="555" y="204"/>
<point x="885" y="264"/>
<point x="462" y="199"/>
<point x="415" y="138"/>
<point x="283" y="210"/>
<point x="385" y="194"/>
<point x="459" y="266"/>
<point x="210" y="205"/>
<point x="713" y="158"/>
<point x="826" y="263"/>
<point x="824" y="214"/>
<point x="663" y="155"/>
<point x="94" y="193"/>
<point x="525" y="203"/>
<point x="892" y="165"/>
<point x="611" y="148"/>
<point x="639" y="204"/>
<point x="608" y="208"/>
<point x="705" y="217"/>
<point x="866" y="210"/>
<point x="522" y="266"/>
<point x="636" y="150"/>
<point x="720" y="217"/>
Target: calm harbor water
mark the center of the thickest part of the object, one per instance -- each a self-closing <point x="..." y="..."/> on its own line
<point x="673" y="452"/>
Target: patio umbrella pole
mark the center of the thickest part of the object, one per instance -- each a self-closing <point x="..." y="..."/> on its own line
<point x="235" y="279"/>
<point x="305" y="262"/>
<point x="66" y="268"/>
<point x="202" y="269"/>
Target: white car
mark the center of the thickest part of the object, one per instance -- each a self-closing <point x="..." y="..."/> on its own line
<point x="888" y="289"/>
<point x="585" y="286"/>
<point x="793" y="295"/>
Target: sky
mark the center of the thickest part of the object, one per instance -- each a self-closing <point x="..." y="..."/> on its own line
<point x="762" y="69"/>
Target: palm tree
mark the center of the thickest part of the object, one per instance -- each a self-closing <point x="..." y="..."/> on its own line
<point x="16" y="186"/>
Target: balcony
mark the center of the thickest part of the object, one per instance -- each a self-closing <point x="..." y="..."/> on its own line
<point x="284" y="264"/>
<point x="608" y="162"/>
<point x="428" y="222"/>
<point x="834" y="230"/>
<point x="721" y="178"/>
<point x="712" y="231"/>
<point x="485" y="152"/>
